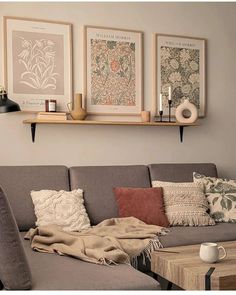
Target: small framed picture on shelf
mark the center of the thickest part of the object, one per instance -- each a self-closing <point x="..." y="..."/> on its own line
<point x="113" y="71"/>
<point x="38" y="62"/>
<point x="179" y="72"/>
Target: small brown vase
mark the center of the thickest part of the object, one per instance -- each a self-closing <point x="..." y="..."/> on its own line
<point x="77" y="113"/>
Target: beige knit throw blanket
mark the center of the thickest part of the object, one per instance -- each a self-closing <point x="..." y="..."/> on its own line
<point x="113" y="241"/>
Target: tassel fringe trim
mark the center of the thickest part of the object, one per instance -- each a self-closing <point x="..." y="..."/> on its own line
<point x="190" y="220"/>
<point x="153" y="245"/>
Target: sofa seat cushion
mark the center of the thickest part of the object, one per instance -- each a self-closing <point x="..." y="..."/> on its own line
<point x="18" y="181"/>
<point x="53" y="272"/>
<point x="182" y="236"/>
<point x="98" y="182"/>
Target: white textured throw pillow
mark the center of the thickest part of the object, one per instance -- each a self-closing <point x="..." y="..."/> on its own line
<point x="65" y="209"/>
<point x="185" y="203"/>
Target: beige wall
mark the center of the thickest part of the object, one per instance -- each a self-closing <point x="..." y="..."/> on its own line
<point x="213" y="141"/>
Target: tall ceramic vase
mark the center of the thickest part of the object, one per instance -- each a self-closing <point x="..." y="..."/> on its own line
<point x="77" y="112"/>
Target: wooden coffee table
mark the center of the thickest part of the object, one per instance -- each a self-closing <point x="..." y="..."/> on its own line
<point x="186" y="270"/>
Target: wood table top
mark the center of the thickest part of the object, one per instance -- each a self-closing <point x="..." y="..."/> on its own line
<point x="186" y="270"/>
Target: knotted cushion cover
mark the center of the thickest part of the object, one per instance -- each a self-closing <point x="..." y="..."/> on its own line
<point x="62" y="208"/>
<point x="14" y="269"/>
<point x="185" y="204"/>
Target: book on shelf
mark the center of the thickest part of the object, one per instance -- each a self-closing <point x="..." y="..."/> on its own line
<point x="52" y="113"/>
<point x="52" y="116"/>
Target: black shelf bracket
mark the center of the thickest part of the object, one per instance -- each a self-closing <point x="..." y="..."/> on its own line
<point x="181" y="132"/>
<point x="33" y="129"/>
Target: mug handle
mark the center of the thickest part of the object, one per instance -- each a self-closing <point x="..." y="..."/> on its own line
<point x="225" y="254"/>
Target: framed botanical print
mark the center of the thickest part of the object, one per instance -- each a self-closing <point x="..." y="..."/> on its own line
<point x="179" y="71"/>
<point x="113" y="71"/>
<point x="38" y="62"/>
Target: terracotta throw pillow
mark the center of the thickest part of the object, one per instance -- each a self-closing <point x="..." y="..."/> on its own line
<point x="62" y="208"/>
<point x="185" y="203"/>
<point x="146" y="204"/>
<point x="221" y="196"/>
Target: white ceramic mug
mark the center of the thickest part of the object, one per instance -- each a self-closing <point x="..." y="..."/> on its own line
<point x="210" y="252"/>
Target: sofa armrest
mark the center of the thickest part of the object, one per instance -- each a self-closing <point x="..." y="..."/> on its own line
<point x="14" y="269"/>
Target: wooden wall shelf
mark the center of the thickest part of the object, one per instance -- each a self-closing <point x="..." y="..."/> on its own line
<point x="34" y="122"/>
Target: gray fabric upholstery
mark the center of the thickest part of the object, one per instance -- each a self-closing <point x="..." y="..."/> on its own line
<point x="181" y="236"/>
<point x="18" y="181"/>
<point x="54" y="272"/>
<point x="14" y="269"/>
<point x="51" y="272"/>
<point x="180" y="172"/>
<point x="98" y="184"/>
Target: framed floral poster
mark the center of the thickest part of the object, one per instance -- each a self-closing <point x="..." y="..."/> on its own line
<point x="179" y="71"/>
<point x="113" y="63"/>
<point x="38" y="62"/>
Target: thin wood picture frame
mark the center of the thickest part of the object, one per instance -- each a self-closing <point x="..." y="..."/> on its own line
<point x="179" y="62"/>
<point x="113" y="71"/>
<point x="38" y="62"/>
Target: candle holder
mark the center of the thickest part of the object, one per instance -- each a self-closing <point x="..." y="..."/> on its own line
<point x="169" y="102"/>
<point x="161" y="114"/>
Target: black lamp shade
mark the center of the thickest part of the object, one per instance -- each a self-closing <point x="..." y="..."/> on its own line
<point x="7" y="105"/>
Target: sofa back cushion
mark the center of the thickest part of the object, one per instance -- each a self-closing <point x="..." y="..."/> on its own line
<point x="98" y="183"/>
<point x="180" y="172"/>
<point x="18" y="181"/>
<point x="14" y="269"/>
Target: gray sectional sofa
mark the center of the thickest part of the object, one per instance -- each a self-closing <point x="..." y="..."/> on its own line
<point x="51" y="272"/>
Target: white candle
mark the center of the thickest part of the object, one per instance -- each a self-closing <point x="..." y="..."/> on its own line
<point x="169" y="93"/>
<point x="160" y="106"/>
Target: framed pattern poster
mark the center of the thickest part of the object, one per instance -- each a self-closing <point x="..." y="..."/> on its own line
<point x="179" y="71"/>
<point x="113" y="71"/>
<point x="38" y="62"/>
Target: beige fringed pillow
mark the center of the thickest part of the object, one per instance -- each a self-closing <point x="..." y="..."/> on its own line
<point x="185" y="203"/>
<point x="63" y="208"/>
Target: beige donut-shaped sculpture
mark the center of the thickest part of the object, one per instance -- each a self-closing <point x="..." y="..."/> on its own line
<point x="186" y="105"/>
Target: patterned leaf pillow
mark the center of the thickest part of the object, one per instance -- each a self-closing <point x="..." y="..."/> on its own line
<point x="221" y="195"/>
